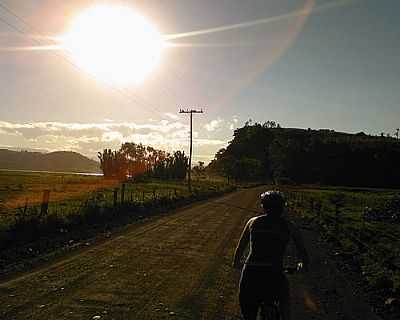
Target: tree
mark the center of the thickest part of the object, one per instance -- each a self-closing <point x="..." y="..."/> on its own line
<point x="180" y="165"/>
<point x="199" y="169"/>
<point x="262" y="152"/>
<point x="113" y="163"/>
<point x="106" y="162"/>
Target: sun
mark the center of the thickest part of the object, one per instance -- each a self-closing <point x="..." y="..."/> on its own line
<point x="114" y="44"/>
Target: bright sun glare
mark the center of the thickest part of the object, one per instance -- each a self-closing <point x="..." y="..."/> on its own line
<point x="114" y="44"/>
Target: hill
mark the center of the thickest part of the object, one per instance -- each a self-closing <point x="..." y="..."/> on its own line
<point x="61" y="161"/>
<point x="267" y="152"/>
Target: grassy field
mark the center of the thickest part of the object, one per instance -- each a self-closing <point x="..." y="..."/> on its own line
<point x="19" y="188"/>
<point x="16" y="188"/>
<point x="79" y="200"/>
<point x="370" y="246"/>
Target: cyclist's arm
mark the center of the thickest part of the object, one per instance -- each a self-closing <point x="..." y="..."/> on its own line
<point x="299" y="243"/>
<point x="244" y="239"/>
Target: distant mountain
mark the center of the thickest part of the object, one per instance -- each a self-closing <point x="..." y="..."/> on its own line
<point x="24" y="149"/>
<point x="61" y="161"/>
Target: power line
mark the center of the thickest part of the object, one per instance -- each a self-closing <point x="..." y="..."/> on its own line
<point x="10" y="25"/>
<point x="190" y="111"/>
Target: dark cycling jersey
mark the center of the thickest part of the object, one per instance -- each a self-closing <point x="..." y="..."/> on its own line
<point x="262" y="279"/>
<point x="269" y="236"/>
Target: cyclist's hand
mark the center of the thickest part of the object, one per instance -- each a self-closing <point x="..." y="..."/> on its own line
<point x="302" y="267"/>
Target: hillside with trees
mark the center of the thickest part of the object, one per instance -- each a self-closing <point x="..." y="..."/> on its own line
<point x="137" y="160"/>
<point x="267" y="152"/>
<point x="59" y="161"/>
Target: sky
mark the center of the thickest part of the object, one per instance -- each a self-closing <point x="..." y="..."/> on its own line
<point x="302" y="63"/>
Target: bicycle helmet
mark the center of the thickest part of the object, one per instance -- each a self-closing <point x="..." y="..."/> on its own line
<point x="272" y="202"/>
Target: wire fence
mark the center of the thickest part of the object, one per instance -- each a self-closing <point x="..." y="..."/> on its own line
<point x="124" y="196"/>
<point x="328" y="214"/>
<point x="102" y="199"/>
<point x="368" y="236"/>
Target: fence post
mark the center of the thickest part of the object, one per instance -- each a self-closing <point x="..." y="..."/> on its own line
<point x="318" y="209"/>
<point x="26" y="207"/>
<point x="362" y="227"/>
<point x="45" y="203"/>
<point x="115" y="197"/>
<point x="336" y="218"/>
<point x="143" y="196"/>
<point x="154" y="194"/>
<point x="337" y="200"/>
<point x="176" y="193"/>
<point x="123" y="193"/>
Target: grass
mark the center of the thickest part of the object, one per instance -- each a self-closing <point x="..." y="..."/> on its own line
<point x="370" y="247"/>
<point x="16" y="188"/>
<point x="81" y="203"/>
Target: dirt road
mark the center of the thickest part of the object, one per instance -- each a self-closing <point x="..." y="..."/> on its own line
<point x="175" y="266"/>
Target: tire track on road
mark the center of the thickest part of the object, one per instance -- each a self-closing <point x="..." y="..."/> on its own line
<point x="197" y="297"/>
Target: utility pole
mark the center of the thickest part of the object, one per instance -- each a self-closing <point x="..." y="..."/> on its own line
<point x="397" y="133"/>
<point x="191" y="111"/>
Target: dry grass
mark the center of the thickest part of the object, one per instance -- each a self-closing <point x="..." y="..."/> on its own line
<point x="17" y="188"/>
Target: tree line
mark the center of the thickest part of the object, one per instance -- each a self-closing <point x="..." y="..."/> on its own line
<point x="136" y="160"/>
<point x="268" y="152"/>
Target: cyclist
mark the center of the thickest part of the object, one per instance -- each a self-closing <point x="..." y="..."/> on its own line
<point x="262" y="280"/>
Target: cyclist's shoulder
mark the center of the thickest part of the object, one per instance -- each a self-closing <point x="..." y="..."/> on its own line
<point x="252" y="220"/>
<point x="265" y="221"/>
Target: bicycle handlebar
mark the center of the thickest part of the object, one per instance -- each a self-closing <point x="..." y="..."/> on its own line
<point x="300" y="267"/>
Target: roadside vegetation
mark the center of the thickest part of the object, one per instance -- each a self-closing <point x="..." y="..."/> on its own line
<point x="363" y="225"/>
<point x="137" y="160"/>
<point x="41" y="212"/>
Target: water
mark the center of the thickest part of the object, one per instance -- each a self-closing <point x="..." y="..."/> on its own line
<point x="54" y="172"/>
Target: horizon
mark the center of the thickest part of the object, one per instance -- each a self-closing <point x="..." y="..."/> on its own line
<point x="301" y="63"/>
<point x="44" y="151"/>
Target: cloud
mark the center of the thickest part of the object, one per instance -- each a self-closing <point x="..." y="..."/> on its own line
<point x="213" y="125"/>
<point x="233" y="124"/>
<point x="33" y="130"/>
<point x="209" y="142"/>
<point x="171" y="116"/>
<point x="90" y="138"/>
<point x="111" y="136"/>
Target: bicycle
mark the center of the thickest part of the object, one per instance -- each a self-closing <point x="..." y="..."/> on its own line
<point x="272" y="311"/>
